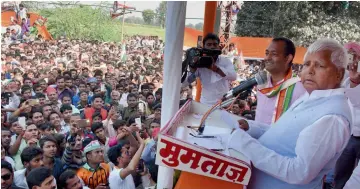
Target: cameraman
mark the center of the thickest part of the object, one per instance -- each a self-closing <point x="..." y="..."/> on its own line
<point x="216" y="78"/>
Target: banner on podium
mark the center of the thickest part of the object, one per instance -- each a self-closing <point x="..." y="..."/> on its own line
<point x="175" y="150"/>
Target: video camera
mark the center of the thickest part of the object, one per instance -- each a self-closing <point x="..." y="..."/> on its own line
<point x="198" y="58"/>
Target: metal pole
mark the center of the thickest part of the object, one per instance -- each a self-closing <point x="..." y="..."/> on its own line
<point x="174" y="35"/>
<point x="209" y="23"/>
<point x="122" y="25"/>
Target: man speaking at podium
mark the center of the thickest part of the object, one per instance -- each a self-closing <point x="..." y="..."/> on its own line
<point x="304" y="144"/>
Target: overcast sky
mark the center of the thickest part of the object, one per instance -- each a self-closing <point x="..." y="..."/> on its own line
<point x="194" y="9"/>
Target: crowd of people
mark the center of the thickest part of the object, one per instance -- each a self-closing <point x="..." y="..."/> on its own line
<point x="86" y="114"/>
<point x="66" y="102"/>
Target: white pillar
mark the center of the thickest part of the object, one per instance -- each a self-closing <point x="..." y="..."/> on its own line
<point x="174" y="41"/>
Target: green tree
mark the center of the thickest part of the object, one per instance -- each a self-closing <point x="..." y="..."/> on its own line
<point x="199" y="26"/>
<point x="190" y="25"/>
<point x="148" y="16"/>
<point x="303" y="21"/>
<point x="160" y="14"/>
<point x="133" y="20"/>
<point x="82" y="23"/>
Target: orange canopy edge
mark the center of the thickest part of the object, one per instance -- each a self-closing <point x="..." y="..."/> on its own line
<point x="250" y="46"/>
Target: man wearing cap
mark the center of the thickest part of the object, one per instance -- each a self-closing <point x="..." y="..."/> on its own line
<point x="95" y="172"/>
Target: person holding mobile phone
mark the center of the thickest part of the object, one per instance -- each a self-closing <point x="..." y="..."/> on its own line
<point x="346" y="162"/>
<point x="125" y="164"/>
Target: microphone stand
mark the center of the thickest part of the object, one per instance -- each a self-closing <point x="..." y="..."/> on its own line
<point x="222" y="103"/>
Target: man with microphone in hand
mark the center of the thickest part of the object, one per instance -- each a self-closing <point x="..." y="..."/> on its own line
<point x="216" y="78"/>
<point x="306" y="141"/>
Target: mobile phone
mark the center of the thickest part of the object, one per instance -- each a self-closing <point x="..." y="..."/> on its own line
<point x="34" y="102"/>
<point x="138" y="123"/>
<point x="83" y="123"/>
<point x="141" y="166"/>
<point x="141" y="107"/>
<point x="102" y="87"/>
<point x="22" y="122"/>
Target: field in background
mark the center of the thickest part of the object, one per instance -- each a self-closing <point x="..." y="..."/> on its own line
<point x="135" y="29"/>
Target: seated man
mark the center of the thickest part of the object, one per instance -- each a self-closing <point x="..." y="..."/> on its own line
<point x="304" y="144"/>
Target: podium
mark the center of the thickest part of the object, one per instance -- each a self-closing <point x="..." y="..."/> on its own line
<point x="204" y="160"/>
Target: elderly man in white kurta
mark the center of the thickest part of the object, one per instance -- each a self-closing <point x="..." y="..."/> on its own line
<point x="304" y="144"/>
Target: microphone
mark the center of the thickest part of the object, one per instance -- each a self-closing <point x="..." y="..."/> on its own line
<point x="259" y="79"/>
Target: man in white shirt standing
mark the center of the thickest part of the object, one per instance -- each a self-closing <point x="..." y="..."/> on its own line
<point x="354" y="180"/>
<point x="347" y="160"/>
<point x="31" y="157"/>
<point x="125" y="165"/>
<point x="215" y="79"/>
<point x="299" y="156"/>
<point x="22" y="12"/>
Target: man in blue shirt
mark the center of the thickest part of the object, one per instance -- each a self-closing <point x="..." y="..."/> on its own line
<point x="49" y="146"/>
